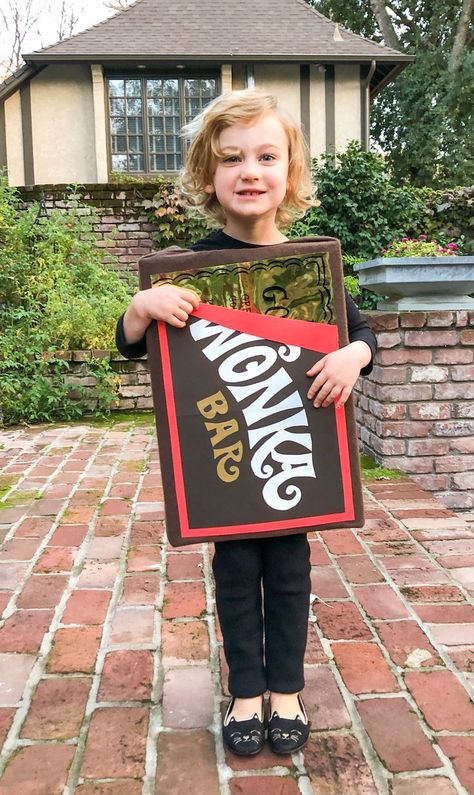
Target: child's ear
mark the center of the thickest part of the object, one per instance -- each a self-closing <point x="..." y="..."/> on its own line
<point x="209" y="189"/>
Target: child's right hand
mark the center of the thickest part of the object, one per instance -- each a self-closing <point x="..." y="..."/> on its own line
<point x="168" y="303"/>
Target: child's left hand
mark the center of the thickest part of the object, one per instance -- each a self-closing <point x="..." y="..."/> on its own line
<point x="336" y="374"/>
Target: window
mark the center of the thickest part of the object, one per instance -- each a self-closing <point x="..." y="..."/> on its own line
<point x="146" y="114"/>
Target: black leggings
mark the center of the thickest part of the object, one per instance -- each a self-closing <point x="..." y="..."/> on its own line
<point x="264" y="648"/>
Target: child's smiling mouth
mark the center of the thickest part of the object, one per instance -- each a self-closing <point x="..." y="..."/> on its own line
<point x="250" y="192"/>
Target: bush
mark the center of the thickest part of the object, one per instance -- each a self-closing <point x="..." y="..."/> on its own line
<point x="360" y="203"/>
<point x="55" y="294"/>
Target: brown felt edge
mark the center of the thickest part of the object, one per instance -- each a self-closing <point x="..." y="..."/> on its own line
<point x="175" y="258"/>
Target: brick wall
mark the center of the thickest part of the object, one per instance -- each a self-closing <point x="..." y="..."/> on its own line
<point x="135" y="389"/>
<point x="416" y="409"/>
<point x="124" y="228"/>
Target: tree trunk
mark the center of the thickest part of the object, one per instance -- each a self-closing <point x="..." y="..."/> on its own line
<point x="461" y="35"/>
<point x="385" y="24"/>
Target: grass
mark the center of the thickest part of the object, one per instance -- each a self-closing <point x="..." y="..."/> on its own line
<point x="370" y="470"/>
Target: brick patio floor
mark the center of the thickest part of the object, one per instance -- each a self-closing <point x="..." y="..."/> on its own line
<point x="112" y="679"/>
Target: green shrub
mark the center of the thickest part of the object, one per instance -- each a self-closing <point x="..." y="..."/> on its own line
<point x="55" y="294"/>
<point x="360" y="203"/>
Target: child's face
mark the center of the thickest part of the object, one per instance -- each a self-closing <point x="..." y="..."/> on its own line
<point x="251" y="176"/>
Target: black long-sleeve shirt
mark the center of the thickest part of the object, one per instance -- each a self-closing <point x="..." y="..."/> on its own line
<point x="357" y="327"/>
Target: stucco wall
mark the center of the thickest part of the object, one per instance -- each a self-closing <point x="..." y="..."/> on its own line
<point x="63" y="124"/>
<point x="347" y="104"/>
<point x="317" y="99"/>
<point x="14" y="140"/>
<point x="283" y="80"/>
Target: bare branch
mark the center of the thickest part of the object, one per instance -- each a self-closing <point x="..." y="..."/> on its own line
<point x="385" y="24"/>
<point x="117" y="5"/>
<point x="461" y="35"/>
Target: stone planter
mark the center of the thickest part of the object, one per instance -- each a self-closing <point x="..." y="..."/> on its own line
<point x="420" y="283"/>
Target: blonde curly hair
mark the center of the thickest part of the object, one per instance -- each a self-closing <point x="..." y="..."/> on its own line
<point x="237" y="107"/>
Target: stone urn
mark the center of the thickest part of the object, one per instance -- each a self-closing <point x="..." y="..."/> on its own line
<point x="420" y="283"/>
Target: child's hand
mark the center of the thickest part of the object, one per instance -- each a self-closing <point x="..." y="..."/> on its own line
<point x="336" y="374"/>
<point x="168" y="303"/>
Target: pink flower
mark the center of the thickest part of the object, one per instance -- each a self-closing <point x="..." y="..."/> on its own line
<point x="452" y="245"/>
<point x="405" y="239"/>
<point x="423" y="237"/>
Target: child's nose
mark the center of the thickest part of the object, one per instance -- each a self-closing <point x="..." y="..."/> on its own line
<point x="249" y="170"/>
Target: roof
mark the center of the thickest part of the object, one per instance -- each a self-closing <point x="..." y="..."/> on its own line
<point x="193" y="33"/>
<point x="217" y="29"/>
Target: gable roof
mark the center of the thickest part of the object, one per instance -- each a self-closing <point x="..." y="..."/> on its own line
<point x="220" y="30"/>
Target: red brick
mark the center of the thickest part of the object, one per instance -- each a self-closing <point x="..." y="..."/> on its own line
<point x="453" y="356"/>
<point x="146" y="533"/>
<point x="184" y="641"/>
<point x="318" y="555"/>
<point x="327" y="584"/>
<point x="132" y="625"/>
<point x="360" y="569"/>
<point x="427" y="447"/>
<point x="336" y="765"/>
<point x="314" y="650"/>
<point x="341" y="542"/>
<point x="404" y="356"/>
<point x="264" y="785"/>
<point x="38" y="770"/>
<point x="20" y="549"/>
<point x="445" y="614"/>
<point x="34" y="527"/>
<point x="144" y="558"/>
<point x="460" y="750"/>
<point x="402" y="639"/>
<point x="341" y="621"/>
<point x="186" y="763"/>
<point x="363" y="668"/>
<point x="140" y="589"/>
<point x="42" y="590"/>
<point x="24" y="630"/>
<point x="383" y="530"/>
<point x="115" y="745"/>
<point x="184" y="566"/>
<point x="57" y="709"/>
<point x="56" y="559"/>
<point x="119" y="786"/>
<point x="429" y="785"/>
<point x="396" y="735"/>
<point x="430" y="411"/>
<point x="111" y="526"/>
<point x="188" y="697"/>
<point x="184" y="599"/>
<point x="69" y="535"/>
<point x="463" y="658"/>
<point x="127" y="676"/>
<point x="412" y="319"/>
<point x="432" y="593"/>
<point x="6" y="717"/>
<point x="453" y="634"/>
<point x="74" y="650"/>
<point x="380" y="601"/>
<point x="323" y="700"/>
<point x="82" y="514"/>
<point x="86" y="607"/>
<point x="442" y="318"/>
<point x="459" y="445"/>
<point x="44" y="507"/>
<point x="431" y="339"/>
<point x="426" y="575"/>
<point x="115" y="507"/>
<point x="453" y="712"/>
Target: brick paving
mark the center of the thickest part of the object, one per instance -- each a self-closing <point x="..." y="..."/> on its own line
<point x="112" y="677"/>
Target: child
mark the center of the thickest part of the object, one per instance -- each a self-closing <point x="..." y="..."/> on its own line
<point x="247" y="168"/>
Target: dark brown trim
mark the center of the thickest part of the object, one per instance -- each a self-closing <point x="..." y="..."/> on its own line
<point x="238" y="76"/>
<point x="364" y="109"/>
<point x="27" y="128"/>
<point x="330" y="103"/>
<point x="305" y="110"/>
<point x="3" y="137"/>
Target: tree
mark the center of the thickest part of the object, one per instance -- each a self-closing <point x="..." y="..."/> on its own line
<point x="424" y="119"/>
<point x="18" y="17"/>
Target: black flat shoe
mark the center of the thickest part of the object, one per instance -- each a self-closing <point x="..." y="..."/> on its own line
<point x="243" y="737"/>
<point x="286" y="736"/>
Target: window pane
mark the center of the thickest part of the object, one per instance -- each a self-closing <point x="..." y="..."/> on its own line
<point x="133" y="88"/>
<point x="134" y="107"/>
<point x="135" y="143"/>
<point x="119" y="162"/>
<point x="119" y="143"/>
<point x="117" y="126"/>
<point x="136" y="163"/>
<point x="170" y="88"/>
<point x="154" y="88"/>
<point x="157" y="163"/>
<point x="135" y="125"/>
<point x="116" y="88"/>
<point x="156" y="143"/>
<point x="117" y="107"/>
<point x="155" y="106"/>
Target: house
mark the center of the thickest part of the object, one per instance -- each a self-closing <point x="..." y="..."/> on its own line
<point x="113" y="98"/>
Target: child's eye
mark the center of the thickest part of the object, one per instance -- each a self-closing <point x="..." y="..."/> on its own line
<point x="268" y="157"/>
<point x="231" y="159"/>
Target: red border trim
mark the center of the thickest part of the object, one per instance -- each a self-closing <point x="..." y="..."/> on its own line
<point x="292" y="332"/>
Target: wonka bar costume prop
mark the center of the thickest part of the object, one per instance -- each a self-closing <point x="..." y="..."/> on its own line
<point x="244" y="453"/>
